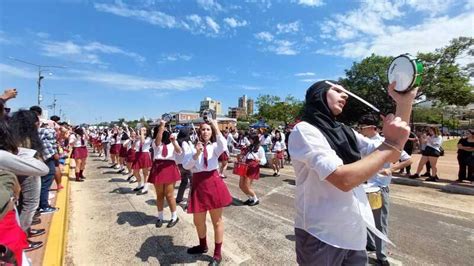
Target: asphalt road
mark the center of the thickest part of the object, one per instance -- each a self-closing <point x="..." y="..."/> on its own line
<point x="109" y="224"/>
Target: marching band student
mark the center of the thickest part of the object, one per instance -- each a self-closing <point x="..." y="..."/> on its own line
<point x="242" y="143"/>
<point x="131" y="154"/>
<point x="115" y="148"/>
<point x="164" y="172"/>
<point x="278" y="147"/>
<point x="142" y="160"/>
<point x="79" y="151"/>
<point x="184" y="141"/>
<point x="124" y="140"/>
<point x="254" y="157"/>
<point x="208" y="192"/>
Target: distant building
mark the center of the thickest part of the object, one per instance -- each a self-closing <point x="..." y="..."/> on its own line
<point x="237" y="112"/>
<point x="243" y="102"/>
<point x="250" y="107"/>
<point x="209" y="103"/>
<point x="184" y="116"/>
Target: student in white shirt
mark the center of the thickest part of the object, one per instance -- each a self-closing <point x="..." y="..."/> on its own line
<point x="79" y="152"/>
<point x="254" y="157"/>
<point x="164" y="172"/>
<point x="431" y="154"/>
<point x="131" y="154"/>
<point x="184" y="141"/>
<point x="278" y="148"/>
<point x="332" y="210"/>
<point x="142" y="161"/>
<point x="115" y="146"/>
<point x="208" y="192"/>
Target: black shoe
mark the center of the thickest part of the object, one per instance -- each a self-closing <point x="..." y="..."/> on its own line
<point x="113" y="165"/>
<point x="432" y="179"/>
<point x="426" y="174"/>
<point x="36" y="232"/>
<point x="159" y="223"/>
<point x="142" y="192"/>
<point x="253" y="203"/>
<point x="32" y="245"/>
<point x="137" y="189"/>
<point x="78" y="179"/>
<point x="274" y="174"/>
<point x="120" y="171"/>
<point x="370" y="248"/>
<point x="247" y="202"/>
<point x="197" y="250"/>
<point x="277" y="174"/>
<point x="215" y="262"/>
<point x="172" y="223"/>
<point x="382" y="263"/>
<point x="129" y="178"/>
<point x="414" y="176"/>
<point x="36" y="221"/>
<point x="48" y="210"/>
<point x="83" y="177"/>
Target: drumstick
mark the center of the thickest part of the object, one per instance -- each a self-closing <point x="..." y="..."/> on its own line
<point x="355" y="96"/>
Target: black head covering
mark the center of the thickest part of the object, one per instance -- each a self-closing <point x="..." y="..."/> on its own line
<point x="183" y="135"/>
<point x="341" y="138"/>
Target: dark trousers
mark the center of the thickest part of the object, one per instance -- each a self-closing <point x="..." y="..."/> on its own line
<point x="46" y="182"/>
<point x="463" y="166"/>
<point x="185" y="179"/>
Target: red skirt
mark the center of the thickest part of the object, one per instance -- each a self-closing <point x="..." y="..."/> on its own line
<point x="79" y="153"/>
<point x="164" y="172"/>
<point x="253" y="169"/>
<point x="208" y="192"/>
<point x="115" y="149"/>
<point x="280" y="155"/>
<point x="223" y="157"/>
<point x="123" y="151"/>
<point x="131" y="155"/>
<point x="12" y="236"/>
<point x="142" y="160"/>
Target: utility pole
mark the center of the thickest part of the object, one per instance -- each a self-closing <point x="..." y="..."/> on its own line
<point x="41" y="69"/>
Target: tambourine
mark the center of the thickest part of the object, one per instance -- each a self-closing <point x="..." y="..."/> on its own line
<point x="406" y="70"/>
<point x="208" y="113"/>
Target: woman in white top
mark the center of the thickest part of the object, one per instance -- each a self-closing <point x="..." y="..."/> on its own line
<point x="278" y="147"/>
<point x="208" y="192"/>
<point x="332" y="210"/>
<point x="79" y="151"/>
<point x="242" y="143"/>
<point x="142" y="161"/>
<point x="164" y="172"/>
<point x="254" y="157"/>
<point x="115" y="146"/>
<point x="131" y="154"/>
<point x="184" y="141"/>
<point x="430" y="154"/>
<point x="124" y="141"/>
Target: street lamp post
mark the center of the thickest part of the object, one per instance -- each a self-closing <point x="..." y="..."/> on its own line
<point x="41" y="68"/>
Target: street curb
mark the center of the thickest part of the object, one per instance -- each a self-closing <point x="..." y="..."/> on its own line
<point x="441" y="186"/>
<point x="56" y="242"/>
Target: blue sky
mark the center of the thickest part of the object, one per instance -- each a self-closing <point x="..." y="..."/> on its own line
<point x="143" y="58"/>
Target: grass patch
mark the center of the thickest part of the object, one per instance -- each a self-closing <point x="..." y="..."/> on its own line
<point x="450" y="145"/>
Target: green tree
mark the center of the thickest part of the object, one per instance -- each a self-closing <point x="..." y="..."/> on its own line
<point x="273" y="109"/>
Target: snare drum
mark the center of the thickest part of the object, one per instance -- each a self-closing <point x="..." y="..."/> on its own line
<point x="406" y="70"/>
<point x="374" y="194"/>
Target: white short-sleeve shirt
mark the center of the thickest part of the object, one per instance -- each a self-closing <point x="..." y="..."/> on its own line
<point x="214" y="150"/>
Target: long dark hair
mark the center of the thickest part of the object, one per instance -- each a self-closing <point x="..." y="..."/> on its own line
<point x="254" y="142"/>
<point x="23" y="125"/>
<point x="184" y="135"/>
<point x="277" y="136"/>
<point x="7" y="141"/>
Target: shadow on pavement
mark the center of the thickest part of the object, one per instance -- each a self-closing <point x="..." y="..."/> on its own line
<point x="290" y="181"/>
<point x="291" y="237"/>
<point x="135" y="218"/>
<point x="98" y="160"/>
<point x="163" y="249"/>
<point x="237" y="202"/>
<point x="123" y="190"/>
<point x="110" y="172"/>
<point x="103" y="167"/>
<point x="118" y="180"/>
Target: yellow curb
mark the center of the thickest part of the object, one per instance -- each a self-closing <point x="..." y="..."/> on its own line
<point x="56" y="243"/>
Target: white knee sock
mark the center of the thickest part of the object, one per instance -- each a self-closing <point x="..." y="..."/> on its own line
<point x="174" y="216"/>
<point x="160" y="215"/>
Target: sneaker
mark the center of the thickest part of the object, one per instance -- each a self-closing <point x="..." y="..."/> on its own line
<point x="197" y="250"/>
<point x="48" y="210"/>
<point x="36" y="232"/>
<point x="173" y="223"/>
<point x="32" y="245"/>
<point x="426" y="174"/>
<point x="253" y="203"/>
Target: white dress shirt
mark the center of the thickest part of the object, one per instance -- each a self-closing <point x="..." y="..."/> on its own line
<point x="146" y="145"/>
<point x="75" y="141"/>
<point x="279" y="146"/>
<point x="259" y="155"/>
<point x="333" y="216"/>
<point x="435" y="142"/>
<point x="186" y="152"/>
<point x="158" y="149"/>
<point x="214" y="150"/>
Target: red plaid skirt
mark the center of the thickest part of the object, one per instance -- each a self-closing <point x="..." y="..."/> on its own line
<point x="115" y="149"/>
<point x="223" y="157"/>
<point x="164" y="172"/>
<point x="253" y="169"/>
<point x="208" y="192"/>
<point x="79" y="153"/>
<point x="142" y="160"/>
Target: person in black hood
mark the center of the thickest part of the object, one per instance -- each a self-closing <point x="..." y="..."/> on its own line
<point x="332" y="211"/>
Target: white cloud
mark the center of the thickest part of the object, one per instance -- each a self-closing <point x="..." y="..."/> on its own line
<point x="234" y="23"/>
<point x="288" y="28"/>
<point x="309" y="80"/>
<point x="282" y="47"/>
<point x="311" y="3"/>
<point x="42" y="35"/>
<point x="264" y="36"/>
<point x="8" y="70"/>
<point x="410" y="39"/>
<point x="210" y="5"/>
<point x="87" y="53"/>
<point x="431" y="7"/>
<point x="305" y="74"/>
<point x="212" y="24"/>
<point x="153" y="17"/>
<point x="176" y="57"/>
<point x="251" y="88"/>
